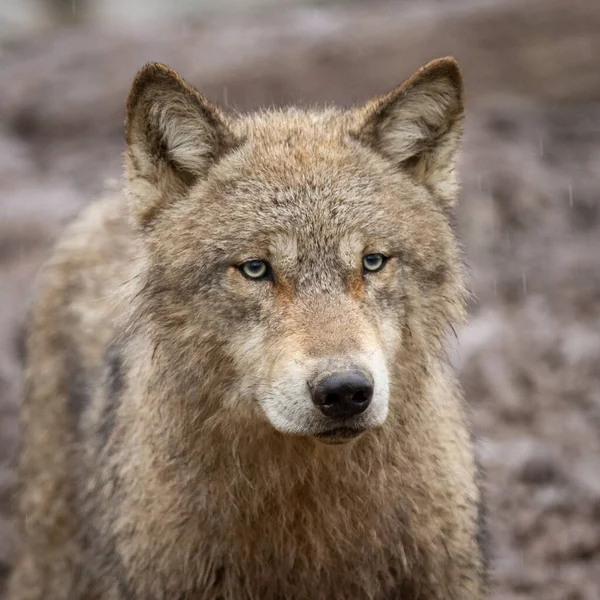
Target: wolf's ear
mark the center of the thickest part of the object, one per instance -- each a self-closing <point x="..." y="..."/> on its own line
<point x="173" y="135"/>
<point x="418" y="126"/>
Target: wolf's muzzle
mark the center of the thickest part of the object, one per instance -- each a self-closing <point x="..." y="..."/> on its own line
<point x="343" y="394"/>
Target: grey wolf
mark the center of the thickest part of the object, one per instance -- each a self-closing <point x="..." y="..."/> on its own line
<point x="236" y="383"/>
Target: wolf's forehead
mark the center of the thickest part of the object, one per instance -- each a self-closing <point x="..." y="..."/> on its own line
<point x="308" y="245"/>
<point x="302" y="174"/>
<point x="313" y="205"/>
<point x="311" y="176"/>
<point x="291" y="142"/>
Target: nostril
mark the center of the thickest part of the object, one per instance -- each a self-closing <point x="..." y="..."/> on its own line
<point x="332" y="398"/>
<point x="360" y="397"/>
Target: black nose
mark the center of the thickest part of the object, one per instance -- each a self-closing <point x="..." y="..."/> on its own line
<point x="343" y="394"/>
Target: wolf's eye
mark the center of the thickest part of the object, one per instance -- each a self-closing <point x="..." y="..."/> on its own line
<point x="255" y="269"/>
<point x="374" y="262"/>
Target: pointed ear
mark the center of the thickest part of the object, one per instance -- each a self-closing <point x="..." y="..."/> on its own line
<point x="173" y="136"/>
<point x="418" y="126"/>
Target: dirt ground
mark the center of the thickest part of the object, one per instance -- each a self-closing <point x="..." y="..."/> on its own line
<point x="529" y="218"/>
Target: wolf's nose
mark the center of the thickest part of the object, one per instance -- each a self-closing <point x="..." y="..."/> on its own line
<point x="343" y="394"/>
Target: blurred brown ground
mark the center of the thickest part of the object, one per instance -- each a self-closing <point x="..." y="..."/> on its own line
<point x="529" y="217"/>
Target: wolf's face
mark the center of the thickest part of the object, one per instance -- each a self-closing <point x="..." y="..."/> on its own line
<point x="301" y="251"/>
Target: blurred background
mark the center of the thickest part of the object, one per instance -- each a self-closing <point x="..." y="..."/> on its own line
<point x="529" y="214"/>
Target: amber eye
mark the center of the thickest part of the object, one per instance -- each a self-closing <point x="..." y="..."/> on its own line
<point x="255" y="269"/>
<point x="374" y="262"/>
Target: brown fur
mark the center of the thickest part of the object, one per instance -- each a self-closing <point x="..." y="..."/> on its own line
<point x="170" y="445"/>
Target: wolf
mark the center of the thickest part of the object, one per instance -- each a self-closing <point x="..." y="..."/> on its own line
<point x="236" y="382"/>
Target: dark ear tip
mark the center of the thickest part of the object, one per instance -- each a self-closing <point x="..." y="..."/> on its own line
<point x="448" y="67"/>
<point x="150" y="74"/>
<point x="440" y="68"/>
<point x="152" y="77"/>
<point x="151" y="70"/>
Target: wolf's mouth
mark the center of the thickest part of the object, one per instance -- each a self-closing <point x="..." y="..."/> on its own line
<point x="339" y="435"/>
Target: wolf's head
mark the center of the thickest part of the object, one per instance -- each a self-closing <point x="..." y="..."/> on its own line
<point x="297" y="260"/>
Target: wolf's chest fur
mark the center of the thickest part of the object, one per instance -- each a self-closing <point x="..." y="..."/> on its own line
<point x="306" y="521"/>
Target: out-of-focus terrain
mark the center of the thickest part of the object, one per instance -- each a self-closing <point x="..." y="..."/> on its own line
<point x="529" y="215"/>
